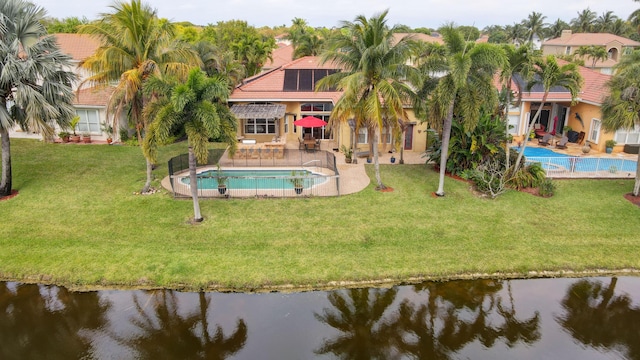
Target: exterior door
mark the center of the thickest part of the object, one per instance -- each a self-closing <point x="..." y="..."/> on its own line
<point x="408" y="137"/>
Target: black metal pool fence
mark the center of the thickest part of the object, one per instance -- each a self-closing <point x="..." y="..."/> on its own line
<point x="321" y="176"/>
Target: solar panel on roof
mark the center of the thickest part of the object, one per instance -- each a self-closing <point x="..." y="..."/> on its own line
<point x="290" y="80"/>
<point x="305" y="81"/>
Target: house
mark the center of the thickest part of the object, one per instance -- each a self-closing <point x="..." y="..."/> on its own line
<point x="558" y="113"/>
<point x="568" y="43"/>
<point x="90" y="103"/>
<point x="268" y="104"/>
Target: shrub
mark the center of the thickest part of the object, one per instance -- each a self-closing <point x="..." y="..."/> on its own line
<point x="546" y="188"/>
<point x="528" y="176"/>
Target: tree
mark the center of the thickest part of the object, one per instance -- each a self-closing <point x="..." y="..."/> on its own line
<point x="516" y="33"/>
<point x="465" y="87"/>
<point x="594" y="53"/>
<point x="548" y="73"/>
<point x="249" y="47"/>
<point x="374" y="70"/>
<point x="634" y="18"/>
<point x="35" y="88"/>
<point x="584" y="22"/>
<point x="135" y="46"/>
<point x="219" y="62"/>
<point x="605" y="22"/>
<point x="621" y="108"/>
<point x="520" y="61"/>
<point x="67" y="25"/>
<point x="198" y="106"/>
<point x="555" y="29"/>
<point x="535" y="25"/>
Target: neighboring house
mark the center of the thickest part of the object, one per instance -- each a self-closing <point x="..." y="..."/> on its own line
<point x="268" y="104"/>
<point x="90" y="103"/>
<point x="568" y="43"/>
<point x="558" y="112"/>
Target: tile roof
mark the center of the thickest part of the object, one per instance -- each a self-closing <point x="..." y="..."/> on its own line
<point x="269" y="86"/>
<point x="593" y="89"/>
<point x="79" y="46"/>
<point x="93" y="96"/>
<point x="420" y="37"/>
<point x="282" y="55"/>
<point x="580" y="39"/>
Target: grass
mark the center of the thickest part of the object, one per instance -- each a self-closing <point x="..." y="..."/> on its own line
<point x="76" y="222"/>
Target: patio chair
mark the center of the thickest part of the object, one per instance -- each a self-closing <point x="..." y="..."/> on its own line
<point x="581" y="136"/>
<point x="300" y="144"/>
<point x="562" y="144"/>
<point x="546" y="140"/>
<point x="539" y="130"/>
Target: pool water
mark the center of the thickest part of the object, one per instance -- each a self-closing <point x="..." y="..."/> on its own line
<point x="256" y="179"/>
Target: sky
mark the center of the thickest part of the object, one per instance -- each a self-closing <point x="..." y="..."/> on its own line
<point x="329" y="13"/>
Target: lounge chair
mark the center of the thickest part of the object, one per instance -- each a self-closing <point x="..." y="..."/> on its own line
<point x="562" y="144"/>
<point x="546" y="140"/>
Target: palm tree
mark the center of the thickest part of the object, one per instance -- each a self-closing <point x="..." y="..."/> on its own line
<point x="464" y="89"/>
<point x="374" y="70"/>
<point x="555" y="29"/>
<point x="634" y="18"/>
<point x="219" y="62"/>
<point x="605" y="22"/>
<point x="548" y="73"/>
<point x="585" y="21"/>
<point x="535" y="25"/>
<point x="516" y="33"/>
<point x="135" y="45"/>
<point x="594" y="53"/>
<point x="198" y="106"/>
<point x="621" y="108"/>
<point x="520" y="61"/>
<point x="308" y="44"/>
<point x="35" y="90"/>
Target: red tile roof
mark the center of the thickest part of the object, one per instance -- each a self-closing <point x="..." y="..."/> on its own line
<point x="93" y="96"/>
<point x="593" y="90"/>
<point x="584" y="39"/>
<point x="269" y="86"/>
<point x="282" y="55"/>
<point x="79" y="46"/>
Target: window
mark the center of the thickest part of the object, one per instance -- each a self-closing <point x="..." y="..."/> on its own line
<point x="385" y="137"/>
<point x="89" y="121"/>
<point x="260" y="126"/>
<point x="567" y="51"/>
<point x="321" y="111"/>
<point x="594" y="134"/>
<point x="363" y="136"/>
<point x="628" y="136"/>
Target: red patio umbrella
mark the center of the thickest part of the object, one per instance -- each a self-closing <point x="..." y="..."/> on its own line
<point x="310" y="122"/>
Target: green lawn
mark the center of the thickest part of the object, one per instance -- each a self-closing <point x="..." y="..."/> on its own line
<point x="77" y="222"/>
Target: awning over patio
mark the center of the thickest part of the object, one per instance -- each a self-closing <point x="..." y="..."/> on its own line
<point x="259" y="111"/>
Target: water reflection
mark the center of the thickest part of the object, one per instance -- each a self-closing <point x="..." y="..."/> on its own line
<point x="593" y="318"/>
<point x="358" y="316"/>
<point x="36" y="319"/>
<point x="165" y="333"/>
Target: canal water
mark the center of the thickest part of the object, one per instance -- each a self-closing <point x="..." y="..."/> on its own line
<point x="587" y="318"/>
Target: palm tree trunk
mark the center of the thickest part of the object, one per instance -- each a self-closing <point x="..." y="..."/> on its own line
<point x="147" y="184"/>
<point x="193" y="184"/>
<point x="529" y="130"/>
<point x="6" y="180"/>
<point x="402" y="140"/>
<point x="506" y="122"/>
<point x="444" y="152"/>
<point x="376" y="160"/>
<point x="636" y="186"/>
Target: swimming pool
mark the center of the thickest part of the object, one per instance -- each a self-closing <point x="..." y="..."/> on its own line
<point x="256" y="179"/>
<point x="553" y="161"/>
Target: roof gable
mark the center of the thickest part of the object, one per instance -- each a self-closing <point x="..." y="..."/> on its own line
<point x="585" y="39"/>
